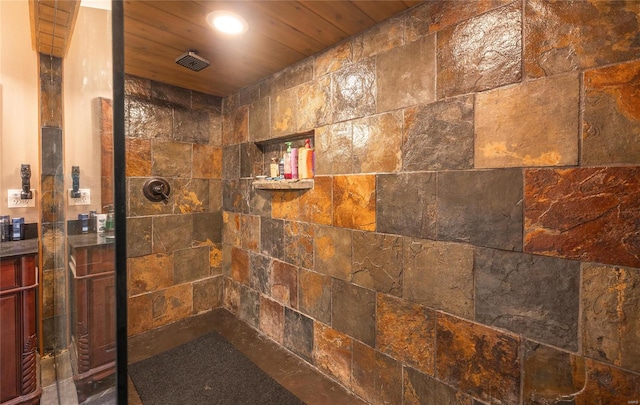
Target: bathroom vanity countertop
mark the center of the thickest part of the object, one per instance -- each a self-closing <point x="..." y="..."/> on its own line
<point x="18" y="248"/>
<point x="88" y="240"/>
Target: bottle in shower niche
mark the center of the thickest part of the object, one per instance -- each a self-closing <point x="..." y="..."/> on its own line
<point x="305" y="161"/>
<point x="273" y="168"/>
<point x="294" y="163"/>
<point x="287" y="162"/>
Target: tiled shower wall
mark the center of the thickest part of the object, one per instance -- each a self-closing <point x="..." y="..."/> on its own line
<point x="174" y="265"/>
<point x="473" y="234"/>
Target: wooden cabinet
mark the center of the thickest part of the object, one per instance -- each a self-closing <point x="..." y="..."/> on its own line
<point x="18" y="355"/>
<point x="93" y="323"/>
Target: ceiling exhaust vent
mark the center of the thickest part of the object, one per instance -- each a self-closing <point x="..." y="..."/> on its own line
<point x="192" y="61"/>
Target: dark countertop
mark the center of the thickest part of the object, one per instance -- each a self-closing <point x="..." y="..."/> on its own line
<point x="19" y="248"/>
<point x="88" y="240"/>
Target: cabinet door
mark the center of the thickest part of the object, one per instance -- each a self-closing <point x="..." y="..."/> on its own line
<point x="9" y="347"/>
<point x="102" y="319"/>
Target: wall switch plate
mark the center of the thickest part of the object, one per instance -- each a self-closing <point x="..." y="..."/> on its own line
<point x="14" y="200"/>
<point x="84" y="199"/>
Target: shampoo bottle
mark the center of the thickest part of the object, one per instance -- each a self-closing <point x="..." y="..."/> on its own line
<point x="305" y="161"/>
<point x="287" y="162"/>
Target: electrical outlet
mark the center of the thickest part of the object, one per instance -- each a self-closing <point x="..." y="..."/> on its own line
<point x="14" y="200"/>
<point x="84" y="199"/>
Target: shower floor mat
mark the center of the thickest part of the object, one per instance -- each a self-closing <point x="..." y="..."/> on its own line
<point x="206" y="370"/>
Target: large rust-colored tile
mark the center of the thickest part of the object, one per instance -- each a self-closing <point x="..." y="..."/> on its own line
<point x="611" y="120"/>
<point x="482" y="362"/>
<point x="138" y="161"/>
<point x="149" y="273"/>
<point x="285" y="204"/>
<point x="240" y="265"/>
<point x="406" y="331"/>
<point x="481" y="53"/>
<point x="563" y="36"/>
<point x="354" y="202"/>
<point x="588" y="214"/>
<point x="610" y="316"/>
<point x="509" y="131"/>
<point x="332" y="352"/>
<point x="315" y="204"/>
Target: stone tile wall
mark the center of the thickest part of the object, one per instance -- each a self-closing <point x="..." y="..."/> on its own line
<point x="174" y="249"/>
<point x="52" y="207"/>
<point x="473" y="234"/>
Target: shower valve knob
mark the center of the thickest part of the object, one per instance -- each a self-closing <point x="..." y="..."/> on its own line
<point x="156" y="189"/>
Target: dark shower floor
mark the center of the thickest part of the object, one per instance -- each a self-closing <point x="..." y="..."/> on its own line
<point x="300" y="378"/>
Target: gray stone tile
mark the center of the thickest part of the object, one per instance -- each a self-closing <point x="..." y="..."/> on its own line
<point x="481" y="207"/>
<point x="260" y="273"/>
<point x="191" y="264"/>
<point x="406" y="204"/>
<point x="353" y="91"/>
<point x="536" y="296"/>
<point x="315" y="295"/>
<point x="439" y="136"/>
<point x="353" y="311"/>
<point x="298" y="333"/>
<point x="138" y="236"/>
<point x="272" y="237"/>
<point x="377" y="262"/>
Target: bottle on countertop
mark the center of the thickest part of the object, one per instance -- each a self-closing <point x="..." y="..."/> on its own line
<point x="5" y="228"/>
<point x="305" y="161"/>
<point x="287" y="162"/>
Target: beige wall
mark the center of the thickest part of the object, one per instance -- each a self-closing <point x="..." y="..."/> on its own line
<point x="18" y="104"/>
<point x="87" y="75"/>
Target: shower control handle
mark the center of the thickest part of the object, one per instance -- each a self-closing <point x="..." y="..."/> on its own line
<point x="157" y="189"/>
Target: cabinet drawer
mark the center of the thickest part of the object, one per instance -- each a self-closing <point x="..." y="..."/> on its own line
<point x="18" y="271"/>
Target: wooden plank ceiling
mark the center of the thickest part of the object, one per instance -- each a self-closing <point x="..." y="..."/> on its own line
<point x="52" y="23"/>
<point x="280" y="34"/>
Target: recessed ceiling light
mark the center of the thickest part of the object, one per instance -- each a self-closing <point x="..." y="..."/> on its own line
<point x="227" y="22"/>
